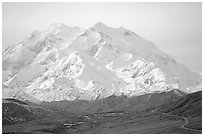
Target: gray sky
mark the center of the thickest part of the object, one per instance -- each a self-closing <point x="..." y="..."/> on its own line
<point x="175" y="28"/>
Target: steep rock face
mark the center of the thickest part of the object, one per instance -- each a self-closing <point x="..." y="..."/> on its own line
<point x="68" y="63"/>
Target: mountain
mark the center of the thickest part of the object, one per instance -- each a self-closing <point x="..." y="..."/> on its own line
<point x="69" y="63"/>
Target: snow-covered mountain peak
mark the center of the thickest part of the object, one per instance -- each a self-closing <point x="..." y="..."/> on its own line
<point x="57" y="28"/>
<point x="102" y="28"/>
<point x="68" y="63"/>
<point x="57" y="25"/>
<point x="99" y="25"/>
<point x="60" y="26"/>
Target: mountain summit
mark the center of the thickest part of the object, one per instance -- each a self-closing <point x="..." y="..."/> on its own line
<point x="69" y="63"/>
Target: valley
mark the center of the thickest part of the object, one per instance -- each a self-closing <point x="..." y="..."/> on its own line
<point x="106" y="123"/>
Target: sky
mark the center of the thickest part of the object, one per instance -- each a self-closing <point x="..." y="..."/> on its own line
<point x="175" y="28"/>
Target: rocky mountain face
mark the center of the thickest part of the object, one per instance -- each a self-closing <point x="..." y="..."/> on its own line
<point x="69" y="63"/>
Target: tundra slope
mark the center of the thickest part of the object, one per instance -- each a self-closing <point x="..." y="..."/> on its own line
<point x="68" y="63"/>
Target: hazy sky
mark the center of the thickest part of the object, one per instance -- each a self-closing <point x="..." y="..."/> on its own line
<point x="175" y="28"/>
